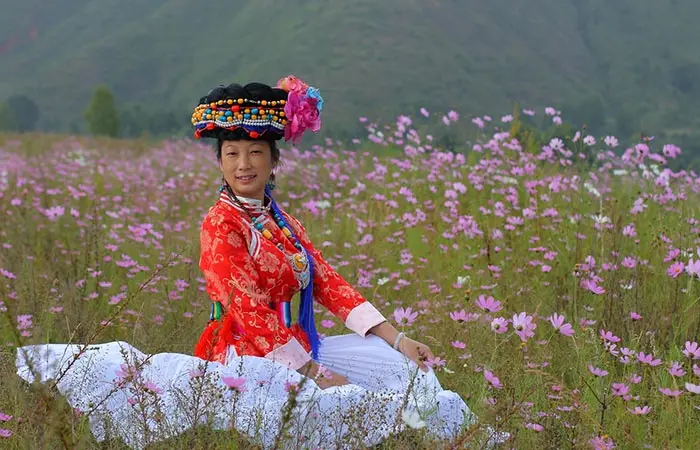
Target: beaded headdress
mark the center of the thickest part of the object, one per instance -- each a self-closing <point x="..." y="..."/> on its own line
<point x="259" y="111"/>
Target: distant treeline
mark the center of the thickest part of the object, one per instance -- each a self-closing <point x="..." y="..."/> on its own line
<point x="104" y="117"/>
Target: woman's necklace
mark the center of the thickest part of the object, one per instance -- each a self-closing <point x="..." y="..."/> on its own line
<point x="299" y="260"/>
<point x="259" y="226"/>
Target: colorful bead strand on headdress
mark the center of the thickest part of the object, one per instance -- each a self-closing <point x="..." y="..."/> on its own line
<point x="255" y="116"/>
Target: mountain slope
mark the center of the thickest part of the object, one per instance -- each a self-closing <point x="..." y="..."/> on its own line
<point x="368" y="57"/>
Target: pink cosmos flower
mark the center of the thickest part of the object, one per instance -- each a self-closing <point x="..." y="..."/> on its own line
<point x="597" y="372"/>
<point x="492" y="379"/>
<point x="608" y="336"/>
<point x="640" y="411"/>
<point x="592" y="286"/>
<point x="405" y="317"/>
<point x="634" y="378"/>
<point x="7" y="274"/>
<point x="327" y="323"/>
<point x="195" y="373"/>
<point x="557" y="322"/>
<point x="692" y="350"/>
<point x="675" y="269"/>
<point x="696" y="370"/>
<point x="635" y="316"/>
<point x="233" y="383"/>
<point x="648" y="359"/>
<point x="534" y="426"/>
<point x="670" y="392"/>
<point x="676" y="369"/>
<point x="435" y="362"/>
<point x="5" y="433"/>
<point x="152" y="387"/>
<point x="620" y="389"/>
<point x="126" y="373"/>
<point x="488" y="304"/>
<point x="585" y="323"/>
<point x="5" y="417"/>
<point x="524" y="326"/>
<point x="290" y="386"/>
<point x="629" y="262"/>
<point x="463" y="316"/>
<point x="629" y="230"/>
<point x="459" y="344"/>
<point x="694" y="388"/>
<point x="499" y="325"/>
<point x="602" y="443"/>
<point x="693" y="267"/>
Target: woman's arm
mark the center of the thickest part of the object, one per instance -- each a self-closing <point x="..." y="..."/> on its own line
<point x="413" y="350"/>
<point x="359" y="315"/>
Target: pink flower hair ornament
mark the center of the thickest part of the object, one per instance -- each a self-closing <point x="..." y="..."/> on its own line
<point x="303" y="108"/>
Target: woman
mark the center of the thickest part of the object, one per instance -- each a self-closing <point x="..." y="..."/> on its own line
<point x="274" y="380"/>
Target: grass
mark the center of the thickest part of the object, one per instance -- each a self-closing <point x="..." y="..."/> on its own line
<point x="523" y="232"/>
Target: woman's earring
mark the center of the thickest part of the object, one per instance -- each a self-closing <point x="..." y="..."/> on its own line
<point x="223" y="184"/>
<point x="271" y="181"/>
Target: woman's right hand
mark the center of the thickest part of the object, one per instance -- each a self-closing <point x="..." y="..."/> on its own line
<point x="322" y="376"/>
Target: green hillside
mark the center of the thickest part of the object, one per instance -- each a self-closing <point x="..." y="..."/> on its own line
<point x="634" y="64"/>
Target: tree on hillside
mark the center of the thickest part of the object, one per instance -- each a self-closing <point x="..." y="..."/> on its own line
<point x="7" y="121"/>
<point x="101" y="116"/>
<point x="19" y="113"/>
<point x="686" y="78"/>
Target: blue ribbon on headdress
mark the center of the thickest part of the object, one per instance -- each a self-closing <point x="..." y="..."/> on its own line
<point x="306" y="306"/>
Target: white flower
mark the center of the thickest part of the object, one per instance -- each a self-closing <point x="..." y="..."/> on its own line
<point x="323" y="204"/>
<point x="619" y="172"/>
<point x="627" y="286"/>
<point x="412" y="419"/>
<point x="592" y="189"/>
<point x="462" y="280"/>
<point x="382" y="281"/>
<point x="599" y="219"/>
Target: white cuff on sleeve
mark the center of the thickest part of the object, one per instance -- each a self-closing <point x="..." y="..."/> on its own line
<point x="363" y="317"/>
<point x="292" y="354"/>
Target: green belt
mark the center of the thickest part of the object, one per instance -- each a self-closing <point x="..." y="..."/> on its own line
<point x="216" y="311"/>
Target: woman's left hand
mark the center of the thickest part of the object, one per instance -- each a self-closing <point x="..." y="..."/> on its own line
<point x="416" y="352"/>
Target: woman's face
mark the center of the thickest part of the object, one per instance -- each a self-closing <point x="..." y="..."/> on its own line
<point x="246" y="166"/>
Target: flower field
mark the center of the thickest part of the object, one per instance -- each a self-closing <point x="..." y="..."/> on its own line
<point x="559" y="284"/>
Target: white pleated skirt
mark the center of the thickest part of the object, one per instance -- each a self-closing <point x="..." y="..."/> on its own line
<point x="173" y="392"/>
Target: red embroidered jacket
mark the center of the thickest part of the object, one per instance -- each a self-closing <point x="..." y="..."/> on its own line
<point x="249" y="274"/>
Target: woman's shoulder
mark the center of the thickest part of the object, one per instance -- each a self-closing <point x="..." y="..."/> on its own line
<point x="222" y="216"/>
